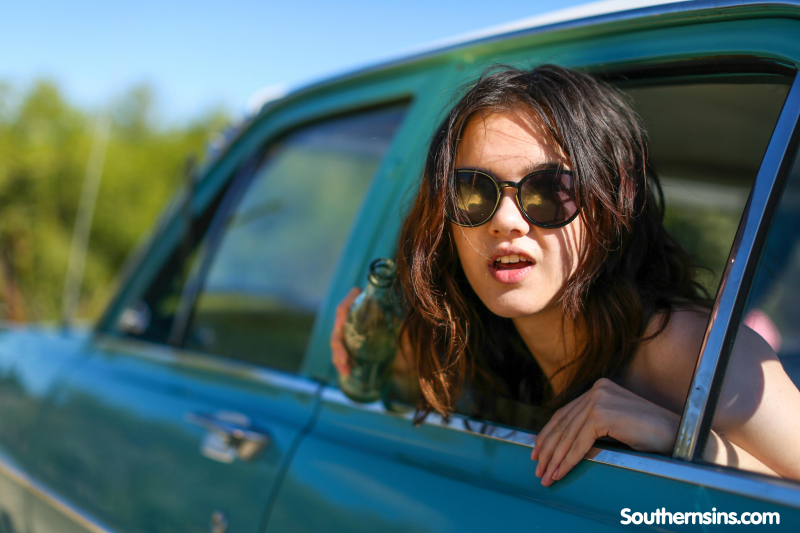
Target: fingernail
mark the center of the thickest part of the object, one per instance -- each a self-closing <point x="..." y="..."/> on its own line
<point x="539" y="470"/>
<point x="555" y="475"/>
<point x="535" y="453"/>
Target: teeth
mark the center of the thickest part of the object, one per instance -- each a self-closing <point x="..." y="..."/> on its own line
<point x="511" y="259"/>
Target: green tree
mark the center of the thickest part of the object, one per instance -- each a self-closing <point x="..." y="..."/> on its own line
<point x="44" y="146"/>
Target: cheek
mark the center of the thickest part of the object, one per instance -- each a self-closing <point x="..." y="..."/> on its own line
<point x="562" y="254"/>
<point x="472" y="254"/>
<point x="466" y="247"/>
<point x="576" y="241"/>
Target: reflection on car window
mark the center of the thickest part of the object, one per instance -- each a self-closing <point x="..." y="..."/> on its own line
<point x="282" y="242"/>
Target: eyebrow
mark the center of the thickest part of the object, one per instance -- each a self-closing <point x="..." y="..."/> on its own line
<point x="548" y="165"/>
<point x="530" y="168"/>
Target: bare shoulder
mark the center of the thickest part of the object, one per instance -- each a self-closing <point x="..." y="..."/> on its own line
<point x="679" y="342"/>
<point x="662" y="368"/>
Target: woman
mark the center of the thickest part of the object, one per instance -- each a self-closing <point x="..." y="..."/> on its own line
<point x="536" y="271"/>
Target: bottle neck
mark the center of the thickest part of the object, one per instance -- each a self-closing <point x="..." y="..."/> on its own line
<point x="374" y="291"/>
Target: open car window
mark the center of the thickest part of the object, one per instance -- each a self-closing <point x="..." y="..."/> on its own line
<point x="708" y="136"/>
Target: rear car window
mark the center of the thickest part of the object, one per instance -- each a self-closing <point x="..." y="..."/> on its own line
<point x="282" y="242"/>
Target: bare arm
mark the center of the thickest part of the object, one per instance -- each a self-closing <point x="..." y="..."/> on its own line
<point x="756" y="425"/>
<point x="723" y="452"/>
<point x="759" y="405"/>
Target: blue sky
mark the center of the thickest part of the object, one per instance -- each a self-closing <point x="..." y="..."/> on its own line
<point x="201" y="54"/>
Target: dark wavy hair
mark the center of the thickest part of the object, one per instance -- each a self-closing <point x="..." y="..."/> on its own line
<point x="629" y="271"/>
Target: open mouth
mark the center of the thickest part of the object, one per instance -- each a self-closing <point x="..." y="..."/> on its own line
<point x="511" y="262"/>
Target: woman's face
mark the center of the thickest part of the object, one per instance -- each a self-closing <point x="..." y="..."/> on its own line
<point x="509" y="145"/>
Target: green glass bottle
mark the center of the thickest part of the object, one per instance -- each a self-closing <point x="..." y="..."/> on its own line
<point x="370" y="334"/>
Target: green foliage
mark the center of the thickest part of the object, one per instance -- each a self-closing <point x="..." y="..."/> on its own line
<point x="44" y="149"/>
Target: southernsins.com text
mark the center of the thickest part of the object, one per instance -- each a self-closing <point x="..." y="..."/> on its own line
<point x="662" y="516"/>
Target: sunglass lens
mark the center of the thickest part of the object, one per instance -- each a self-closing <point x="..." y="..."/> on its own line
<point x="549" y="198"/>
<point x="475" y="198"/>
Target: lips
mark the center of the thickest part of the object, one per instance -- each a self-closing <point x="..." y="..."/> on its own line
<point x="510" y="274"/>
<point x="510" y="265"/>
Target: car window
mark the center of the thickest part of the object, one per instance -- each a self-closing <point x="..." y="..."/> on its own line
<point x="771" y="320"/>
<point x="282" y="241"/>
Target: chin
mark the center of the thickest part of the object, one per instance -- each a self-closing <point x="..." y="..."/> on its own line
<point x="514" y="307"/>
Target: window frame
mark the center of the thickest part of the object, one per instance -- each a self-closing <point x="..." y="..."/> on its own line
<point x="224" y="183"/>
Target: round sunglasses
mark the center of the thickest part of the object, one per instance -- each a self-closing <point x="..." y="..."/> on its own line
<point x="546" y="198"/>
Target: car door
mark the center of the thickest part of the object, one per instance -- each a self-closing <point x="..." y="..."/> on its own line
<point x="194" y="396"/>
<point x="720" y="125"/>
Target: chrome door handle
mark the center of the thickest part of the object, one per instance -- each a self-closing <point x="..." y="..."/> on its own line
<point x="230" y="435"/>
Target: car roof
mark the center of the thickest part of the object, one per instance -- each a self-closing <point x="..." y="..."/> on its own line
<point x="593" y="13"/>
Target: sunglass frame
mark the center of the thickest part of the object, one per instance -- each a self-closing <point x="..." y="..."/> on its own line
<point x="499" y="185"/>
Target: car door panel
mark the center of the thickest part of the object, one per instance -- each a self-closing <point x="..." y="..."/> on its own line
<point x="122" y="441"/>
<point x="364" y="468"/>
<point x="30" y="375"/>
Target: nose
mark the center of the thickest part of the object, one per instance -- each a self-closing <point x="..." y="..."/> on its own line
<point x="508" y="219"/>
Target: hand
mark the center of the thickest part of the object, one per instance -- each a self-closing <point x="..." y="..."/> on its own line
<point x="339" y="353"/>
<point x="607" y="410"/>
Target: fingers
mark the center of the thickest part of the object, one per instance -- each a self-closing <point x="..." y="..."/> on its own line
<point x="348" y="300"/>
<point x="576" y="441"/>
<point x="606" y="410"/>
<point x="581" y="445"/>
<point x="339" y="354"/>
<point x="555" y="421"/>
<point x="560" y="427"/>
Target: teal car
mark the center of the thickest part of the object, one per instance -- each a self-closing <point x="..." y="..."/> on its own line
<point x="204" y="399"/>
